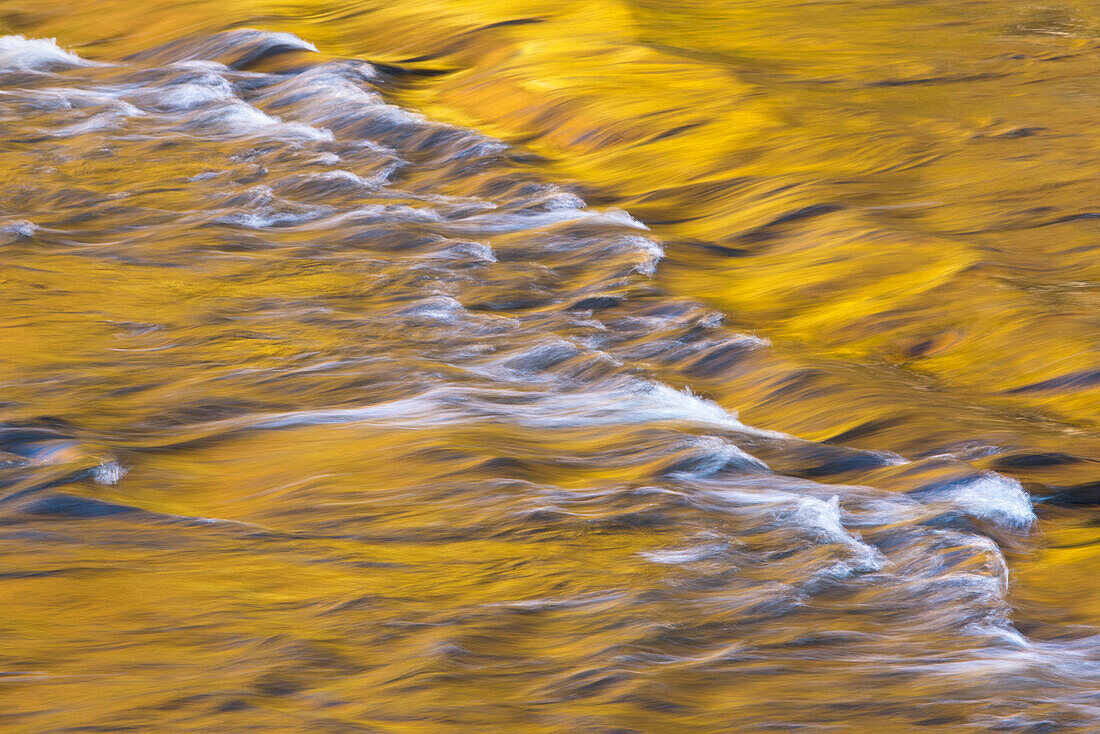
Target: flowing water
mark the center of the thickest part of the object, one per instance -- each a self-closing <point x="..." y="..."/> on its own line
<point x="617" y="366"/>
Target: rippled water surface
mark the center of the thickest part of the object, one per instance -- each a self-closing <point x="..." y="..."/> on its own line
<point x="606" y="367"/>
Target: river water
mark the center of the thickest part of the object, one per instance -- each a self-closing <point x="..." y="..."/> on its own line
<point x="608" y="367"/>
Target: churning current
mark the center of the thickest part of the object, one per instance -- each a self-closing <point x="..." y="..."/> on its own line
<point x="319" y="415"/>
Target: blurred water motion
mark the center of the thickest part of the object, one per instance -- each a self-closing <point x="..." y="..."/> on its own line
<point x="524" y="366"/>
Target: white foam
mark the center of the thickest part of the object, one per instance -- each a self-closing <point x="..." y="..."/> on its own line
<point x="109" y="120"/>
<point x="683" y="555"/>
<point x="480" y="148"/>
<point x="18" y="53"/>
<point x="192" y="94"/>
<point x="651" y="250"/>
<point x="627" y="403"/>
<point x="109" y="473"/>
<point x="563" y="200"/>
<point x="1000" y="631"/>
<point x="240" y="118"/>
<point x="398" y="211"/>
<point x="518" y="222"/>
<point x="435" y="308"/>
<point x="326" y="159"/>
<point x="631" y="403"/>
<point x="993" y="497"/>
<point x="822" y="519"/>
<point x="64" y="98"/>
<point x="752" y="341"/>
<point x="323" y="81"/>
<point x="17" y="229"/>
<point x="653" y="401"/>
<point x="414" y="412"/>
<point x="41" y="100"/>
<point x="716" y="453"/>
<point x="287" y="40"/>
<point x="475" y="250"/>
<point x="339" y="175"/>
<point x="324" y="96"/>
<point x="270" y="217"/>
<point x="199" y="64"/>
<point x="384" y="212"/>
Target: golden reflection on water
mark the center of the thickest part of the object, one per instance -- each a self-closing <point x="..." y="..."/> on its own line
<point x="906" y="187"/>
<point x="900" y="196"/>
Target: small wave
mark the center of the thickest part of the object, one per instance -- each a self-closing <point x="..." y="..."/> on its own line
<point x="191" y="93"/>
<point x="822" y="519"/>
<point x="240" y="118"/>
<point x="109" y="473"/>
<point x="16" y="230"/>
<point x="990" y="496"/>
<point x="236" y="49"/>
<point x="36" y="54"/>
